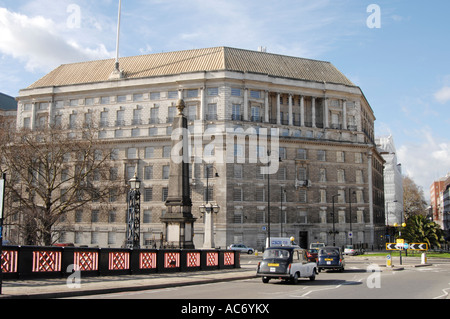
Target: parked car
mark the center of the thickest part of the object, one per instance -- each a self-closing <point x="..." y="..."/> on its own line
<point x="286" y="263"/>
<point x="351" y="251"/>
<point x="242" y="248"/>
<point x="312" y="254"/>
<point x="330" y="258"/>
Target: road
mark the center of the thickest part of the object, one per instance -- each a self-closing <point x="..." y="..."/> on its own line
<point x="362" y="279"/>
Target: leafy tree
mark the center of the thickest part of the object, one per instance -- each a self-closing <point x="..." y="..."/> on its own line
<point x="419" y="229"/>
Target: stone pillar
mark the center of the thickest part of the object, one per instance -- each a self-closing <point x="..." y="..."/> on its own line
<point x="313" y="111"/>
<point x="245" y="104"/>
<point x="266" y="107"/>
<point x="178" y="220"/>
<point x="291" y="122"/>
<point x="278" y="109"/>
<point x="302" y="111"/>
<point x="202" y="104"/>
<point x="344" y="114"/>
<point x="325" y="113"/>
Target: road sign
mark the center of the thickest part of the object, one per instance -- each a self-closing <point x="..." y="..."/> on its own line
<point x="402" y="246"/>
<point x="418" y="246"/>
<point x="391" y="246"/>
<point x="396" y="246"/>
<point x="350" y="234"/>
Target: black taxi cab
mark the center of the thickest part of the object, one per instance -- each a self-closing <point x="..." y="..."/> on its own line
<point x="286" y="263"/>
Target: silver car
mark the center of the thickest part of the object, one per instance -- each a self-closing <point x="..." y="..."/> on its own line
<point x="242" y="248"/>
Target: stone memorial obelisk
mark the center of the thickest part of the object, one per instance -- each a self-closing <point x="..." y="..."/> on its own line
<point x="178" y="221"/>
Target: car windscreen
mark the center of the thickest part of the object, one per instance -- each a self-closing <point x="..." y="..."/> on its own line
<point x="276" y="253"/>
<point x="329" y="252"/>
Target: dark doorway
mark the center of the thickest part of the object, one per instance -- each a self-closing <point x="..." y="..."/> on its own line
<point x="303" y="239"/>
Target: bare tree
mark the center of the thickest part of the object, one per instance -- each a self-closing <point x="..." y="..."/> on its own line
<point x="52" y="172"/>
<point x="413" y="198"/>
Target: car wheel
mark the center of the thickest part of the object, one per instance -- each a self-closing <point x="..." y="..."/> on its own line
<point x="249" y="252"/>
<point x="313" y="277"/>
<point x="265" y="279"/>
<point x="294" y="279"/>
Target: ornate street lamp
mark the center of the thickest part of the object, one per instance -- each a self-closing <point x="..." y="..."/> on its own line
<point x="133" y="213"/>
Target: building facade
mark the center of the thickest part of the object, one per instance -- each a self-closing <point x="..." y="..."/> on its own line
<point x="439" y="202"/>
<point x="8" y="110"/>
<point x="393" y="181"/>
<point x="268" y="133"/>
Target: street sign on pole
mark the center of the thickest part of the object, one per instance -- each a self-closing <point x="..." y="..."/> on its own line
<point x="418" y="246"/>
<point x="403" y="246"/>
<point x="391" y="246"/>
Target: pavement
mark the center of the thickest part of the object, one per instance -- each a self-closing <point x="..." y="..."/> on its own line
<point x="65" y="287"/>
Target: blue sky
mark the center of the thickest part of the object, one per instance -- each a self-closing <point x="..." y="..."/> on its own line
<point x="402" y="65"/>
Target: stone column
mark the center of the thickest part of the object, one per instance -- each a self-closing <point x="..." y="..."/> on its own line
<point x="302" y="111"/>
<point x="202" y="104"/>
<point x="344" y="114"/>
<point x="245" y="104"/>
<point x="278" y="109"/>
<point x="313" y="111"/>
<point x="291" y="122"/>
<point x="266" y="107"/>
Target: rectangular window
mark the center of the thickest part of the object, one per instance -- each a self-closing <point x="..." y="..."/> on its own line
<point x="237" y="194"/>
<point x="192" y="93"/>
<point x="236" y="92"/>
<point x="148" y="194"/>
<point x="148" y="172"/>
<point x="237" y="219"/>
<point x="155" y="96"/>
<point x="236" y="112"/>
<point x="321" y="155"/>
<point x="95" y="216"/>
<point x="165" y="193"/>
<point x="147" y="216"/>
<point x="212" y="112"/>
<point x="172" y="95"/>
<point x="165" y="172"/>
<point x="260" y="192"/>
<point x="255" y="94"/>
<point x="302" y="196"/>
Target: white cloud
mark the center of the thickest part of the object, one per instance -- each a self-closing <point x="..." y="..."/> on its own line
<point x="443" y="95"/>
<point x="37" y="42"/>
<point x="425" y="159"/>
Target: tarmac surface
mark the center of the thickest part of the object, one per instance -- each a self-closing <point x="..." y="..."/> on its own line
<point x="67" y="287"/>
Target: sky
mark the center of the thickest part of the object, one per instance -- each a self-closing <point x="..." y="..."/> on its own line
<point x="396" y="51"/>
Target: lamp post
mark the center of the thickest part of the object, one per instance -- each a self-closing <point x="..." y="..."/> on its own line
<point x="133" y="213"/>
<point x="268" y="196"/>
<point x="399" y="235"/>
<point x="2" y="206"/>
<point x="282" y="192"/>
<point x="334" y="230"/>
<point x="208" y="210"/>
<point x="350" y="193"/>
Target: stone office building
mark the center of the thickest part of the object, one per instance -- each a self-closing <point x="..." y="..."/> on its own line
<point x="322" y="122"/>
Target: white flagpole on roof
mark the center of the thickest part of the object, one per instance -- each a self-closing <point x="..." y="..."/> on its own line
<point x="118" y="35"/>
